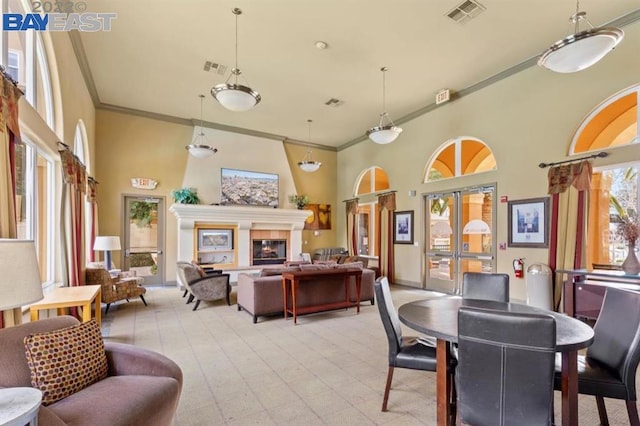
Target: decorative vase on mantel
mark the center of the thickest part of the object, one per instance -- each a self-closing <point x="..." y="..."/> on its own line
<point x="631" y="264"/>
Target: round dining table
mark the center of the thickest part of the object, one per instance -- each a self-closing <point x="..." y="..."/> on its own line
<point x="438" y="317"/>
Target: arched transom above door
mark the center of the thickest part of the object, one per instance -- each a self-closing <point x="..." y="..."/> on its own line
<point x="459" y="157"/>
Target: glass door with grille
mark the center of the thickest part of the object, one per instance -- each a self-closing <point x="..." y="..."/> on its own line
<point x="459" y="235"/>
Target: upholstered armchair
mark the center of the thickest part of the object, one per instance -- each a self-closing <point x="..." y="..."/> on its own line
<point x="136" y="386"/>
<point x="114" y="289"/>
<point x="208" y="287"/>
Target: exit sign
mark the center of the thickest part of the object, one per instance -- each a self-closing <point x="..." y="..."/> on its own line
<point x="442" y="96"/>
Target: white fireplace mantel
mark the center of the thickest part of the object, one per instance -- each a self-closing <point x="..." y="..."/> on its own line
<point x="245" y="218"/>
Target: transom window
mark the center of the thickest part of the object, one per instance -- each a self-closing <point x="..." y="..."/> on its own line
<point x="459" y="157"/>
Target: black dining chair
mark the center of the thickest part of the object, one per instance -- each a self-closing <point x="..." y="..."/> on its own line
<point x="404" y="351"/>
<point x="505" y="367"/>
<point x="608" y="369"/>
<point x="485" y="286"/>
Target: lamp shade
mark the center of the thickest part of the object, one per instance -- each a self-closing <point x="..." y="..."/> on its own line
<point x="580" y="51"/>
<point x="105" y="243"/>
<point x="383" y="134"/>
<point x="20" y="282"/>
<point x="201" y="151"/>
<point x="309" y="166"/>
<point x="236" y="97"/>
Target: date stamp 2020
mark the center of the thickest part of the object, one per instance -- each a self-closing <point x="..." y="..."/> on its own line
<point x="58" y="6"/>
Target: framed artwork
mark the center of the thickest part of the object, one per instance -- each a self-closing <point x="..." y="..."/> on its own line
<point x="529" y="223"/>
<point x="403" y="227"/>
<point x="321" y="217"/>
<point x="215" y="239"/>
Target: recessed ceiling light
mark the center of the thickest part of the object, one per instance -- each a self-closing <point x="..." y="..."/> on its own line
<point x="321" y="45"/>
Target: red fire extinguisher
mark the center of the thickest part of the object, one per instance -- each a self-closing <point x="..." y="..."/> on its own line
<point x="518" y="267"/>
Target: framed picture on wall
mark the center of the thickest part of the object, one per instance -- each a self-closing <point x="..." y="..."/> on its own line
<point x="529" y="223"/>
<point x="403" y="227"/>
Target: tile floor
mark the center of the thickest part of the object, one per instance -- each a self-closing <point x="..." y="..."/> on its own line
<point x="330" y="369"/>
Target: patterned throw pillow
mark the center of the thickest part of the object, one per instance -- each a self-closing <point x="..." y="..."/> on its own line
<point x="65" y="361"/>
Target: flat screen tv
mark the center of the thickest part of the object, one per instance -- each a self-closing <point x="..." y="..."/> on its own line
<point x="244" y="188"/>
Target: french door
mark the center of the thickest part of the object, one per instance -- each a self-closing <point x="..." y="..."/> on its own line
<point x="459" y="235"/>
<point x="144" y="238"/>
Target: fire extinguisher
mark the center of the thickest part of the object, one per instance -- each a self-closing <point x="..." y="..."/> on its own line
<point x="518" y="267"/>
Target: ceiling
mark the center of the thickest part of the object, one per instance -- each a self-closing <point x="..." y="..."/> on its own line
<point x="153" y="58"/>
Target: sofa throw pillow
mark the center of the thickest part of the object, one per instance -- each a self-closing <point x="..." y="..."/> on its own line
<point x="199" y="268"/>
<point x="352" y="265"/>
<point x="269" y="272"/>
<point x="63" y="362"/>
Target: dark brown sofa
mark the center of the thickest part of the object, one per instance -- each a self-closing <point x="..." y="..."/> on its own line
<point x="261" y="296"/>
<point x="142" y="387"/>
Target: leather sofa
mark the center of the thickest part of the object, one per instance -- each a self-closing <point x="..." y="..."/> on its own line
<point x="141" y="388"/>
<point x="261" y="296"/>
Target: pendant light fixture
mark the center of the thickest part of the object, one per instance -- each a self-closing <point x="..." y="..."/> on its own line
<point x="307" y="164"/>
<point x="385" y="132"/>
<point x="199" y="147"/>
<point x="581" y="49"/>
<point x="234" y="96"/>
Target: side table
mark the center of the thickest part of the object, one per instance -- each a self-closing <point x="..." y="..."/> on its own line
<point x="19" y="406"/>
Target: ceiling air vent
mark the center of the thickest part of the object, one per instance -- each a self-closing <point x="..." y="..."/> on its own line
<point x="333" y="102"/>
<point x="212" y="66"/>
<point x="466" y="11"/>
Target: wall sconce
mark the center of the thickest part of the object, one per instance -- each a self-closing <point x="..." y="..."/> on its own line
<point x="316" y="233"/>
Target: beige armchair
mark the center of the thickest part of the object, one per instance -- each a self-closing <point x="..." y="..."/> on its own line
<point x="115" y="289"/>
<point x="208" y="288"/>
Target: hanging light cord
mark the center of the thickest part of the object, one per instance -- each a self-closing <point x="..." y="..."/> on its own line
<point x="201" y="102"/>
<point x="384" y="90"/>
<point x="236" y="12"/>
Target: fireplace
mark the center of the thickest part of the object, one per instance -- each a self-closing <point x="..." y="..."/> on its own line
<point x="269" y="252"/>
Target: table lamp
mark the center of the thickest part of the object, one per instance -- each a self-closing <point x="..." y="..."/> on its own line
<point x="20" y="282"/>
<point x="106" y="244"/>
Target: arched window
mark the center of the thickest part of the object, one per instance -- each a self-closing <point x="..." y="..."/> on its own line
<point x="372" y="180"/>
<point x="614" y="189"/>
<point x="611" y="124"/>
<point x="459" y="157"/>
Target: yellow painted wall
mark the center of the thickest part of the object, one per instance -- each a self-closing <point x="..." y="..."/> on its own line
<point x="131" y="146"/>
<point x="320" y="187"/>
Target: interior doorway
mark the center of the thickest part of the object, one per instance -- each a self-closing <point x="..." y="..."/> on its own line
<point x="144" y="237"/>
<point x="460" y="236"/>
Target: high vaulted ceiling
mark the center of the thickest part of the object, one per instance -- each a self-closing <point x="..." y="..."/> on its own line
<point x="153" y="58"/>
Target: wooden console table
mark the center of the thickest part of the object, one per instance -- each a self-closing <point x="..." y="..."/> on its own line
<point x="584" y="290"/>
<point x="296" y="277"/>
<point x="65" y="297"/>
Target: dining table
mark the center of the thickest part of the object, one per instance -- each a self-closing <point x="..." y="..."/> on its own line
<point x="438" y="317"/>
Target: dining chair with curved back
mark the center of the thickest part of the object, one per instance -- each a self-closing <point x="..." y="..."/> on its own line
<point x="404" y="351"/>
<point x="608" y="369"/>
<point x="485" y="286"/>
<point x="505" y="367"/>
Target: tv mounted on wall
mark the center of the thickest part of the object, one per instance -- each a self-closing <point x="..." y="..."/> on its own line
<point x="244" y="188"/>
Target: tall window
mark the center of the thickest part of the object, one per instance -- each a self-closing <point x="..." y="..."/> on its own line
<point x="34" y="194"/>
<point x="614" y="193"/>
<point x="25" y="59"/>
<point x="370" y="181"/>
